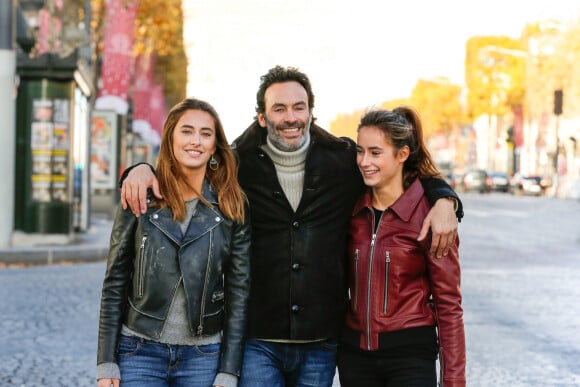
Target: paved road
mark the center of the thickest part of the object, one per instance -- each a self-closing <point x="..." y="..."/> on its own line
<point x="521" y="271"/>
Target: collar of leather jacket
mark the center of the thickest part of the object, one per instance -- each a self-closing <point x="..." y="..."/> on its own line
<point x="403" y="207"/>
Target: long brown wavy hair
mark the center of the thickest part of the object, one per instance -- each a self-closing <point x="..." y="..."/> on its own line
<point x="224" y="179"/>
<point x="402" y="126"/>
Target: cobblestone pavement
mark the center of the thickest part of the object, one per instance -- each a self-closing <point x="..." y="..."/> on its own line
<point x="520" y="275"/>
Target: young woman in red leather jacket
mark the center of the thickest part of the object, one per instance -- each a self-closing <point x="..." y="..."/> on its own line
<point x="405" y="303"/>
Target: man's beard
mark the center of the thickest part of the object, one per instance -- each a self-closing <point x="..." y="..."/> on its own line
<point x="279" y="142"/>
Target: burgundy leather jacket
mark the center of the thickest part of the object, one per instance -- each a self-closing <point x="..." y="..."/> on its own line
<point x="396" y="284"/>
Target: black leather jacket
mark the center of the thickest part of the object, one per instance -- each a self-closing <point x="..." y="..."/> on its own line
<point x="147" y="257"/>
<point x="299" y="289"/>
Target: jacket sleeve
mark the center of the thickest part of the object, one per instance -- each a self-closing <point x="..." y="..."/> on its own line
<point x="237" y="292"/>
<point x="436" y="189"/>
<point x="445" y="276"/>
<point x="115" y="284"/>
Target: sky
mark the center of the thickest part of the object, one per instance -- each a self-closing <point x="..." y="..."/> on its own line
<point x="357" y="54"/>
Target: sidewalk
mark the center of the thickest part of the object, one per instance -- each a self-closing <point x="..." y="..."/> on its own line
<point x="91" y="245"/>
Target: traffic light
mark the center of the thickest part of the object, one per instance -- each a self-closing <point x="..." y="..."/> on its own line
<point x="558" y="95"/>
<point x="510" y="134"/>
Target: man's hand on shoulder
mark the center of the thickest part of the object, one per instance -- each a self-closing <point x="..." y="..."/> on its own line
<point x="134" y="188"/>
<point x="443" y="223"/>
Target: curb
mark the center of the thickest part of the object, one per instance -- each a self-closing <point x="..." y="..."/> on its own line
<point x="49" y="256"/>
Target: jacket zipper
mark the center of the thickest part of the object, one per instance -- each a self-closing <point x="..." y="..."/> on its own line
<point x="387" y="263"/>
<point x="204" y="292"/>
<point x="369" y="292"/>
<point x="356" y="279"/>
<point x="369" y="281"/>
<point x="142" y="265"/>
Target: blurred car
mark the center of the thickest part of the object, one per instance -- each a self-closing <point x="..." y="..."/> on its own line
<point x="451" y="179"/>
<point x="529" y="185"/>
<point x="476" y="180"/>
<point x="500" y="182"/>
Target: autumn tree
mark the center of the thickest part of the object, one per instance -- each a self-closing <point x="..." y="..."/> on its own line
<point x="495" y="75"/>
<point x="159" y="30"/>
<point x="345" y="124"/>
<point x="439" y="103"/>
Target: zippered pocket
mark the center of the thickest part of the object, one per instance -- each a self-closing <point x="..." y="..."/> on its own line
<point x="355" y="299"/>
<point x="386" y="294"/>
<point x="141" y="266"/>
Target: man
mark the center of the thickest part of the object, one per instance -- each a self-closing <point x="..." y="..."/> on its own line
<point x="301" y="184"/>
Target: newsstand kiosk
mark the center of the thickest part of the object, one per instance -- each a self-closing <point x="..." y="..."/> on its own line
<point x="52" y="149"/>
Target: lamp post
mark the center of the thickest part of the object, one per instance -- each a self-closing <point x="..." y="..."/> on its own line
<point x="558" y="99"/>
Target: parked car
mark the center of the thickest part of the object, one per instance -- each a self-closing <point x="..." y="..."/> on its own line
<point x="529" y="185"/>
<point x="500" y="182"/>
<point x="476" y="180"/>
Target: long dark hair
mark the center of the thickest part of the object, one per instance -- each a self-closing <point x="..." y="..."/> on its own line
<point x="224" y="179"/>
<point x="402" y="126"/>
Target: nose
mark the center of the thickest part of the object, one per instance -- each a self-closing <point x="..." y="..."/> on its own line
<point x="290" y="116"/>
<point x="195" y="138"/>
<point x="362" y="159"/>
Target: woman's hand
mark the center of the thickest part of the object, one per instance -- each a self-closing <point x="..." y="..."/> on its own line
<point x="108" y="382"/>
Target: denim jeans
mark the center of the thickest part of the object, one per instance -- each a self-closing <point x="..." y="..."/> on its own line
<point x="270" y="364"/>
<point x="145" y="363"/>
<point x="356" y="368"/>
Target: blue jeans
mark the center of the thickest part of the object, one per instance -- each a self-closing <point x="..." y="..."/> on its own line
<point x="145" y="363"/>
<point x="269" y="364"/>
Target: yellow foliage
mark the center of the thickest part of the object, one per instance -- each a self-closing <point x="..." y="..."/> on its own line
<point x="438" y="102"/>
<point x="495" y="71"/>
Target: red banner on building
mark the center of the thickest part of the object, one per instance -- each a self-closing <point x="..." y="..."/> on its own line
<point x="149" y="110"/>
<point x="117" y="56"/>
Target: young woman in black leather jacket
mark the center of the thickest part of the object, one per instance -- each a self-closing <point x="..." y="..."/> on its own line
<point x="175" y="292"/>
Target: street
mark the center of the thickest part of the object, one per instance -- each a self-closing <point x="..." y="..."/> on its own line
<point x="520" y="281"/>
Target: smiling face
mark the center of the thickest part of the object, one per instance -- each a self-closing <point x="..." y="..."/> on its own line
<point x="287" y="116"/>
<point x="194" y="140"/>
<point x="379" y="162"/>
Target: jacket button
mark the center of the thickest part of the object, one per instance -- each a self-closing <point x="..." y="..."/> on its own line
<point x="295" y="308"/>
<point x="155" y="216"/>
<point x="296" y="224"/>
<point x="277" y="194"/>
<point x="296" y="266"/>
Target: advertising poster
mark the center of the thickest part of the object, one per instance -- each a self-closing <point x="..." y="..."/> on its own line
<point x="49" y="142"/>
<point x="104" y="149"/>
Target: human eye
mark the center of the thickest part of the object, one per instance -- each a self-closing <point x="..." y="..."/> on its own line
<point x="207" y="133"/>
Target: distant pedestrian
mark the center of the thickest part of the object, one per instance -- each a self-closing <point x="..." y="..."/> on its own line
<point x="405" y="303"/>
<point x="175" y="293"/>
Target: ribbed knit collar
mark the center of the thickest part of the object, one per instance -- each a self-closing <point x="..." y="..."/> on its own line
<point x="287" y="159"/>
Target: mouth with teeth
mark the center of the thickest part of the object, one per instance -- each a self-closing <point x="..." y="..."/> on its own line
<point x="370" y="172"/>
<point x="290" y="130"/>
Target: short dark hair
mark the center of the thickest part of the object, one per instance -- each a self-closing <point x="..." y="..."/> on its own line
<point x="281" y="74"/>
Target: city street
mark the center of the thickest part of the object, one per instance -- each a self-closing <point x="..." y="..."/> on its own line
<point x="520" y="280"/>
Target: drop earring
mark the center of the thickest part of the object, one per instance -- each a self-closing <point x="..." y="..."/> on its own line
<point x="213" y="164"/>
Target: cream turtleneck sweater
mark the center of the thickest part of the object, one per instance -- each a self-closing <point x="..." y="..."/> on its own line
<point x="289" y="169"/>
